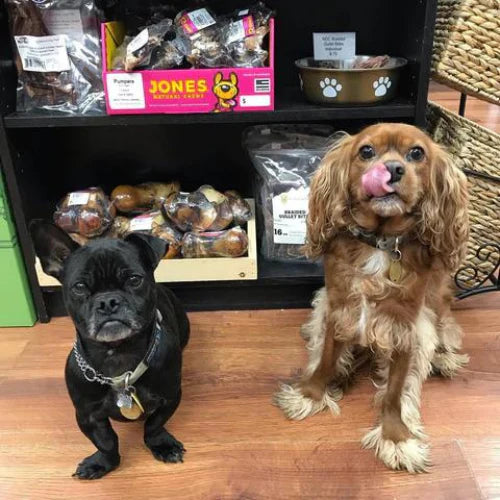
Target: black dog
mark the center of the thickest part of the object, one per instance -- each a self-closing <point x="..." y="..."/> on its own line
<point x="126" y="361"/>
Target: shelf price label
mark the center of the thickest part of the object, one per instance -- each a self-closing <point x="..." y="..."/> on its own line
<point x="330" y="46"/>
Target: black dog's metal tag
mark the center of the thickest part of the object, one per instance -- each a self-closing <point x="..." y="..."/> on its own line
<point x="124" y="400"/>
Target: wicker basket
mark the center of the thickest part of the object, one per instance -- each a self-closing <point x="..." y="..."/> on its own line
<point x="475" y="150"/>
<point x="466" y="53"/>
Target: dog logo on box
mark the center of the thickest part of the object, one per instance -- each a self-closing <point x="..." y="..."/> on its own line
<point x="225" y="90"/>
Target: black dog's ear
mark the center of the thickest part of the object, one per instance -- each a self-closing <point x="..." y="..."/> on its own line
<point x="52" y="246"/>
<point x="152" y="248"/>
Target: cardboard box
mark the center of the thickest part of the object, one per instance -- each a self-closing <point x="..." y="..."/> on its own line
<point x="178" y="91"/>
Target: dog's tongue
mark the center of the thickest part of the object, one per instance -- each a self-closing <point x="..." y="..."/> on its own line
<point x="375" y="182"/>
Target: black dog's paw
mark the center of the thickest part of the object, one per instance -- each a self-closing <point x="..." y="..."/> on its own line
<point x="96" y="466"/>
<point x="167" y="449"/>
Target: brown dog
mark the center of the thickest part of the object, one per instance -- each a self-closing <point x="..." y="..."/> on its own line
<point x="388" y="213"/>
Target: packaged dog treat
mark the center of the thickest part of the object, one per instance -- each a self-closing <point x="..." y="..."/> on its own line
<point x="143" y="197"/>
<point x="222" y="206"/>
<point x="240" y="208"/>
<point x="88" y="212"/>
<point x="155" y="224"/>
<point x="230" y="243"/>
<point x="58" y="56"/>
<point x="285" y="156"/>
<point x="190" y="211"/>
<point x="199" y="38"/>
<point x="119" y="228"/>
<point x="243" y="35"/>
<point x="135" y="52"/>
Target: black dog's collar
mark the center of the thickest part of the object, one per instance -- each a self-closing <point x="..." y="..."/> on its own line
<point x="129" y="377"/>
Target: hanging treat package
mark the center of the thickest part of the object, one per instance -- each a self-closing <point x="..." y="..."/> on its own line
<point x="285" y="156"/>
<point x="57" y="55"/>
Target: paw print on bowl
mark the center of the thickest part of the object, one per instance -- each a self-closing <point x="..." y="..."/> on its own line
<point x="330" y="87"/>
<point x="382" y="85"/>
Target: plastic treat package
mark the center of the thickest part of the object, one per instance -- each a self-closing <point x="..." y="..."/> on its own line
<point x="119" y="228"/>
<point x="243" y="34"/>
<point x="199" y="38"/>
<point x="230" y="243"/>
<point x="240" y="208"/>
<point x="167" y="56"/>
<point x="58" y="55"/>
<point x="143" y="197"/>
<point x="88" y="212"/>
<point x="222" y="206"/>
<point x="285" y="156"/>
<point x="136" y="52"/>
<point x="155" y="224"/>
<point x="190" y="211"/>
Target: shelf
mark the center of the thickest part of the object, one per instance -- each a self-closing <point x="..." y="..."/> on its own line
<point x="271" y="271"/>
<point x="290" y="107"/>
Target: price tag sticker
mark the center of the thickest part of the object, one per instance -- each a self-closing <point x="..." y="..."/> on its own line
<point x="330" y="46"/>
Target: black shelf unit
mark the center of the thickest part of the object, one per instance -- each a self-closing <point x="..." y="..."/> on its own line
<point x="44" y="156"/>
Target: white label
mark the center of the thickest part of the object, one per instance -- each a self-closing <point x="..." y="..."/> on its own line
<point x="138" y="42"/>
<point x="201" y="19"/>
<point x="289" y="216"/>
<point x="125" y="91"/>
<point x="255" y="101"/>
<point x="78" y="198"/>
<point x="329" y="46"/>
<point x="43" y="53"/>
<point x="243" y="12"/>
<point x="141" y="223"/>
<point x="63" y="21"/>
<point x="236" y="31"/>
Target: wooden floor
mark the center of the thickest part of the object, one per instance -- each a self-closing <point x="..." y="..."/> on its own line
<point x="239" y="445"/>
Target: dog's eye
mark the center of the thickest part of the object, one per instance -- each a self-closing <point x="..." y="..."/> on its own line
<point x="134" y="281"/>
<point x="79" y="288"/>
<point x="366" y="152"/>
<point x="415" y="154"/>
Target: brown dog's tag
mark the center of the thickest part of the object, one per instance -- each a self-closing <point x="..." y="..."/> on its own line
<point x="395" y="271"/>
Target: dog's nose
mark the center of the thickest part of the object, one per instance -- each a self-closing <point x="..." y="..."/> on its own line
<point x="108" y="305"/>
<point x="396" y="169"/>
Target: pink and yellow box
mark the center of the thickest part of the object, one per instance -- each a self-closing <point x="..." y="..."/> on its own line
<point x="178" y="91"/>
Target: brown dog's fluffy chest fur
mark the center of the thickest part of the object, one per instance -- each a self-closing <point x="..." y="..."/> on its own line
<point x="364" y="299"/>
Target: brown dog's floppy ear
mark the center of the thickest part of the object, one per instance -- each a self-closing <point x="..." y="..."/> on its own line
<point x="52" y="246"/>
<point x="151" y="248"/>
<point x="444" y="223"/>
<point x="328" y="197"/>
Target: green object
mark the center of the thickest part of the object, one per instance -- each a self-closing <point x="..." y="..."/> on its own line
<point x="16" y="305"/>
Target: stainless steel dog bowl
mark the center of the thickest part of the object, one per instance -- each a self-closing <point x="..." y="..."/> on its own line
<point x="337" y="82"/>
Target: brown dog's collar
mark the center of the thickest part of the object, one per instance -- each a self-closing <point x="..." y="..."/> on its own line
<point x="384" y="242"/>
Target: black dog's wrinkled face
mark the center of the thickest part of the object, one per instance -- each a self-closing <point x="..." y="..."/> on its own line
<point x="108" y="285"/>
<point x="109" y="290"/>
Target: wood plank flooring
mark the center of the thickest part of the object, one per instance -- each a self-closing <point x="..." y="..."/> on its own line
<point x="239" y="445"/>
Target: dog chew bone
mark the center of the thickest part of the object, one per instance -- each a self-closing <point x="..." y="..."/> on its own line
<point x="375" y="181"/>
<point x="190" y="211"/>
<point x="230" y="243"/>
<point x="221" y="205"/>
<point x="143" y="197"/>
<point x="240" y="208"/>
<point x="87" y="212"/>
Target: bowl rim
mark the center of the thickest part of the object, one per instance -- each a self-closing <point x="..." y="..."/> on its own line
<point x="400" y="62"/>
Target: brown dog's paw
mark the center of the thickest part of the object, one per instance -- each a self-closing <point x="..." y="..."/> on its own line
<point x="166" y="448"/>
<point x="96" y="466"/>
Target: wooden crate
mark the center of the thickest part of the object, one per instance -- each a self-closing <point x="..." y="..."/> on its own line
<point x="189" y="270"/>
